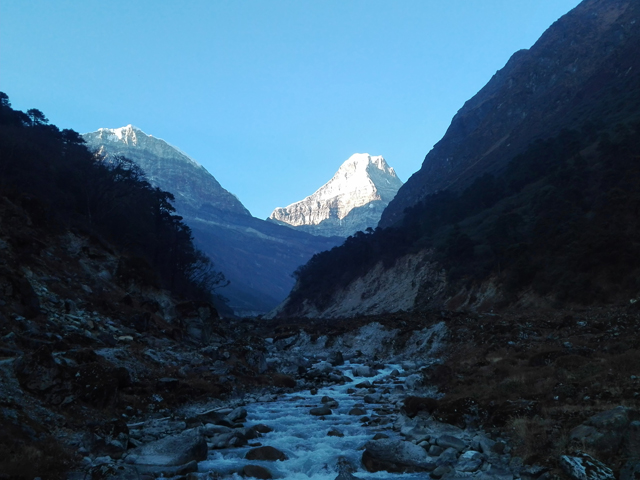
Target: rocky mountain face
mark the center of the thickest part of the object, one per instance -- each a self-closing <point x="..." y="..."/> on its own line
<point x="167" y="168"/>
<point x="574" y="76"/>
<point x="256" y="256"/>
<point x="353" y="200"/>
<point x="528" y="200"/>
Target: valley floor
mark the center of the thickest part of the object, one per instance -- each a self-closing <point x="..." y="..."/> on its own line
<point x="541" y="385"/>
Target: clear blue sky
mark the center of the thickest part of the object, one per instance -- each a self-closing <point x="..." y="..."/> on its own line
<point x="271" y="96"/>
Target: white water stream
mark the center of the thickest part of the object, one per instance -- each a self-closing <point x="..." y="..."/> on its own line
<point x="312" y="455"/>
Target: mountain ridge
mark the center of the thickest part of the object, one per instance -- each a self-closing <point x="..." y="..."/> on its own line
<point x="258" y="257"/>
<point x="168" y="167"/>
<point x="538" y="92"/>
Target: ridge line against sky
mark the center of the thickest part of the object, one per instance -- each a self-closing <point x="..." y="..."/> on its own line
<point x="270" y="96"/>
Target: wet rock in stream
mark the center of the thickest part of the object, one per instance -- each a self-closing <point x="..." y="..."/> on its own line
<point x="396" y="456"/>
<point x="266" y="453"/>
<point x="174" y="450"/>
<point x="256" y="471"/>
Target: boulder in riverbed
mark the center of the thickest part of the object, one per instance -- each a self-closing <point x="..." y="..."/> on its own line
<point x="256" y="471"/>
<point x="237" y="414"/>
<point x="470" y="461"/>
<point x="265" y="453"/>
<point x="335" y="358"/>
<point x="396" y="456"/>
<point x="320" y="411"/>
<point x="173" y="450"/>
<point x="449" y="441"/>
<point x="364" y="371"/>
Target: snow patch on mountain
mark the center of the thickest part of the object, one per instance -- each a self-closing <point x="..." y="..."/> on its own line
<point x="351" y="201"/>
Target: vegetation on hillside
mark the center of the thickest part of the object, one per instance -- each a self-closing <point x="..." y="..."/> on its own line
<point x="67" y="186"/>
<point x="561" y="219"/>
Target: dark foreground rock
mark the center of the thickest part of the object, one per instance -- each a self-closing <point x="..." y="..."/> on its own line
<point x="256" y="471"/>
<point x="180" y="449"/>
<point x="266" y="453"/>
<point x="320" y="411"/>
<point x="610" y="432"/>
<point x="585" y="467"/>
<point x="396" y="456"/>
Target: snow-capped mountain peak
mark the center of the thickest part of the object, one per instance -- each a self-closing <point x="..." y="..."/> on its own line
<point x="167" y="167"/>
<point x="133" y="136"/>
<point x="352" y="200"/>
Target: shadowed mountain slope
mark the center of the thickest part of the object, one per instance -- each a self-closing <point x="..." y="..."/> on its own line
<point x="580" y="73"/>
<point x="256" y="256"/>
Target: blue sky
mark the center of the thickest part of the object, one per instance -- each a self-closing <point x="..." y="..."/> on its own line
<point x="271" y="96"/>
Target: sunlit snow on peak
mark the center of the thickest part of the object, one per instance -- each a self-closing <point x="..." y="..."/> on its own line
<point x="360" y="180"/>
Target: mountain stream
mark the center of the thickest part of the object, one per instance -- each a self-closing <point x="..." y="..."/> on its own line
<point x="312" y="454"/>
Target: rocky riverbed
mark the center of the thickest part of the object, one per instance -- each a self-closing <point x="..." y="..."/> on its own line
<point x="350" y="420"/>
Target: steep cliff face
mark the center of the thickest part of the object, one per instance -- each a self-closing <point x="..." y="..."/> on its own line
<point x="258" y="257"/>
<point x="566" y="80"/>
<point x="351" y="201"/>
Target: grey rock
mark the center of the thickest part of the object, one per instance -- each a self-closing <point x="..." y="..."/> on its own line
<point x="495" y="473"/>
<point x="585" y="467"/>
<point x="483" y="444"/>
<point x="158" y="471"/>
<point x="364" y="371"/>
<point x="413" y="381"/>
<point x="606" y="431"/>
<point x="320" y="411"/>
<point x="227" y="440"/>
<point x="256" y="471"/>
<point x="470" y="461"/>
<point x="172" y="450"/>
<point x="448" y="457"/>
<point x="262" y="428"/>
<point x="329" y="402"/>
<point x="615" y="419"/>
<point x="336" y="359"/>
<point x="417" y="435"/>
<point x="345" y="469"/>
<point x="440" y="471"/>
<point x="268" y="453"/>
<point x="435" y="450"/>
<point x="237" y="414"/>
<point x="395" y="456"/>
<point x="449" y="441"/>
<point x="210" y="429"/>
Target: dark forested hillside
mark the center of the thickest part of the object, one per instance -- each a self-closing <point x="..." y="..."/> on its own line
<point x="562" y="220"/>
<point x="584" y="71"/>
<point x="66" y="186"/>
<point x="533" y="189"/>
